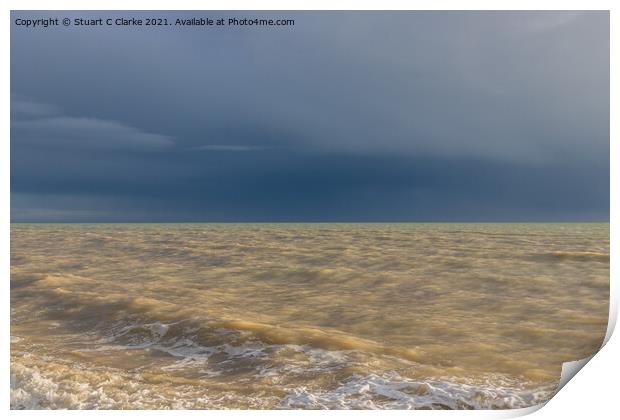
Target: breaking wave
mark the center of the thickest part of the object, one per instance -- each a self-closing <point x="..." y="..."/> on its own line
<point x="393" y="392"/>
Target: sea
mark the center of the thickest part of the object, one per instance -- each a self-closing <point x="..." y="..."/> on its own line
<point x="302" y="316"/>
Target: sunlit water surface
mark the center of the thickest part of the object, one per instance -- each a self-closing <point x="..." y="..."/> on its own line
<point x="302" y="315"/>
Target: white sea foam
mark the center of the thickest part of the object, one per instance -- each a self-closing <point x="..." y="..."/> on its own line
<point x="32" y="390"/>
<point x="393" y="392"/>
<point x="35" y="389"/>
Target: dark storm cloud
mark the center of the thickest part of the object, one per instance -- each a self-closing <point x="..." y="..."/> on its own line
<point x="345" y="116"/>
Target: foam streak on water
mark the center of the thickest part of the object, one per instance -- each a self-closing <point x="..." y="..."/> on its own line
<point x="403" y="316"/>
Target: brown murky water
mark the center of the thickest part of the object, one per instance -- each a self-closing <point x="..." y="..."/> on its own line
<point x="302" y="315"/>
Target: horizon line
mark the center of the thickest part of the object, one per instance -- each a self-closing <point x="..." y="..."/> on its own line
<point x="306" y="222"/>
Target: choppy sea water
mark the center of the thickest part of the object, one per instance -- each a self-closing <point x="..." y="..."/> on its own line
<point x="403" y="316"/>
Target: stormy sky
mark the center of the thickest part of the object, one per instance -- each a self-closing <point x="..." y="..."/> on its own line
<point x="345" y="116"/>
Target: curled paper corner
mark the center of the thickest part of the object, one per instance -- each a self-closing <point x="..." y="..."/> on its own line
<point x="570" y="369"/>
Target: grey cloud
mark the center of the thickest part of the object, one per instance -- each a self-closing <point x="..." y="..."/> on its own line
<point x="27" y="108"/>
<point x="80" y="133"/>
<point x="519" y="86"/>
